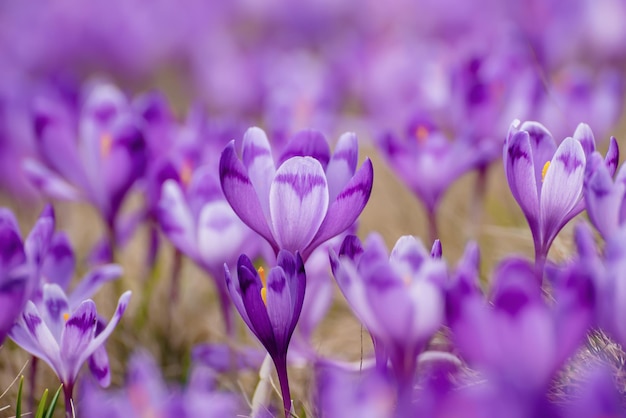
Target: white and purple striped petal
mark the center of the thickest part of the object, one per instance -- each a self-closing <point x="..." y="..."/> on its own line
<point x="342" y="164"/>
<point x="78" y="333"/>
<point x="259" y="163"/>
<point x="298" y="202"/>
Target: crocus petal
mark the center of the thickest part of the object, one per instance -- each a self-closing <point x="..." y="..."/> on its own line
<point x="259" y="163"/>
<point x="298" y="202"/>
<point x="520" y="173"/>
<point x="176" y="219"/>
<point x="39" y="336"/>
<point x="342" y="165"/>
<point x="307" y="143"/>
<point x="37" y="242"/>
<point x="93" y="280"/>
<point x="603" y="199"/>
<point x="221" y="234"/>
<point x="122" y="304"/>
<point x="59" y="263"/>
<point x="562" y="187"/>
<point x="235" y="295"/>
<point x="241" y="194"/>
<point x="250" y="285"/>
<point x="11" y="247"/>
<point x="78" y="332"/>
<point x="407" y="255"/>
<point x="48" y="182"/>
<point x="279" y="306"/>
<point x="612" y="156"/>
<point x="99" y="366"/>
<point x="542" y="144"/>
<point x="346" y="208"/>
<point x="293" y="266"/>
<point x="12" y="298"/>
<point x="584" y="135"/>
<point x="55" y="306"/>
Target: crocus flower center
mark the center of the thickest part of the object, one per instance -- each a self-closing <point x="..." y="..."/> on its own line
<point x="421" y="133"/>
<point x="544" y="171"/>
<point x="186" y="171"/>
<point x="66" y="316"/>
<point x="106" y="143"/>
<point x="264" y="282"/>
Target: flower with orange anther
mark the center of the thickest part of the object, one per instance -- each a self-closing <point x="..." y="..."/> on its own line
<point x="270" y="306"/>
<point x="547" y="181"/>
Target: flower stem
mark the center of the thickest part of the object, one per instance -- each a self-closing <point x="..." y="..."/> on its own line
<point x="33" y="381"/>
<point x="478" y="198"/>
<point x="540" y="263"/>
<point x="177" y="264"/>
<point x="281" y="369"/>
<point x="433" y="231"/>
<point x="68" y="389"/>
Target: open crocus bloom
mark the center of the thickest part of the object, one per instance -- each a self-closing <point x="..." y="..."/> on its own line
<point x="307" y="199"/>
<point x="546" y="181"/>
<point x="62" y="337"/>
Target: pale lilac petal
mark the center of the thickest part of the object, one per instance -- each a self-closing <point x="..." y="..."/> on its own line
<point x="342" y="164"/>
<point x="407" y="256"/>
<point x="92" y="281"/>
<point x="520" y="173"/>
<point x="55" y="307"/>
<point x="279" y="306"/>
<point x="99" y="366"/>
<point x="241" y="194"/>
<point x="542" y="144"/>
<point x="612" y="156"/>
<point x="122" y="304"/>
<point x="221" y="235"/>
<point x="562" y="186"/>
<point x="584" y="135"/>
<point x="176" y="219"/>
<point x="604" y="200"/>
<point x="346" y="208"/>
<point x="78" y="333"/>
<point x="41" y="339"/>
<point x="49" y="183"/>
<point x="38" y="240"/>
<point x="428" y="305"/>
<point x="307" y="143"/>
<point x="298" y="202"/>
<point x="259" y="163"/>
<point x="59" y="263"/>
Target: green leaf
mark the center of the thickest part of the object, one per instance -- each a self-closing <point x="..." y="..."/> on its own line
<point x="53" y="403"/>
<point x="18" y="407"/>
<point x="42" y="405"/>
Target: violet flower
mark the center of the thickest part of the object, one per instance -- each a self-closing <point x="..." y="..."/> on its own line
<point x="271" y="306"/>
<point x="94" y="155"/>
<point x="20" y="264"/>
<point x="546" y="180"/>
<point x="605" y="198"/>
<point x="63" y="337"/>
<point x="398" y="298"/>
<point x="307" y="199"/>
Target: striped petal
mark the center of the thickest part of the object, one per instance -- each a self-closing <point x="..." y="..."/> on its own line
<point x="78" y="332"/>
<point x="221" y="235"/>
<point x="49" y="183"/>
<point x="342" y="165"/>
<point x="562" y="187"/>
<point x="55" y="307"/>
<point x="298" y="202"/>
<point x="259" y="163"/>
<point x="176" y="219"/>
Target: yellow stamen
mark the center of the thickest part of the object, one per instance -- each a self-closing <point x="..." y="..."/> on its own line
<point x="186" y="171"/>
<point x="106" y="143"/>
<point x="66" y="316"/>
<point x="544" y="171"/>
<point x="421" y="133"/>
<point x="261" y="271"/>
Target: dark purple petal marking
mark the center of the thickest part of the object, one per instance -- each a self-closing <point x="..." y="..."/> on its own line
<point x="303" y="185"/>
<point x="32" y="322"/>
<point x="570" y="162"/>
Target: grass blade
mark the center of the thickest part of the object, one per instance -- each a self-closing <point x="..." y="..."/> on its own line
<point x="42" y="405"/>
<point x="18" y="407"/>
<point x="53" y="403"/>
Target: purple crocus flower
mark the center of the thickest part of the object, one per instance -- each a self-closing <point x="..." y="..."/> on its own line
<point x="271" y="306"/>
<point x="20" y="264"/>
<point x="398" y="298"/>
<point x="63" y="337"/>
<point x="307" y="199"/>
<point x="95" y="153"/>
<point x="605" y="198"/>
<point x="546" y="180"/>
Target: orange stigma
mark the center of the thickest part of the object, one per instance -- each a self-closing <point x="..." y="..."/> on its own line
<point x="66" y="316"/>
<point x="186" y="171"/>
<point x="106" y="143"/>
<point x="421" y="133"/>
<point x="261" y="271"/>
<point x="544" y="171"/>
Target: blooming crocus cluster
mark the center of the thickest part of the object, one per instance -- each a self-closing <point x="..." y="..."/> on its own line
<point x="307" y="199"/>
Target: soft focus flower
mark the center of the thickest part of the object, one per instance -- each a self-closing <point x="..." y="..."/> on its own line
<point x="546" y="180"/>
<point x="94" y="153"/>
<point x="20" y="264"/>
<point x="309" y="198"/>
<point x="604" y="199"/>
<point x="398" y="298"/>
<point x="61" y="336"/>
<point x="270" y="306"/>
